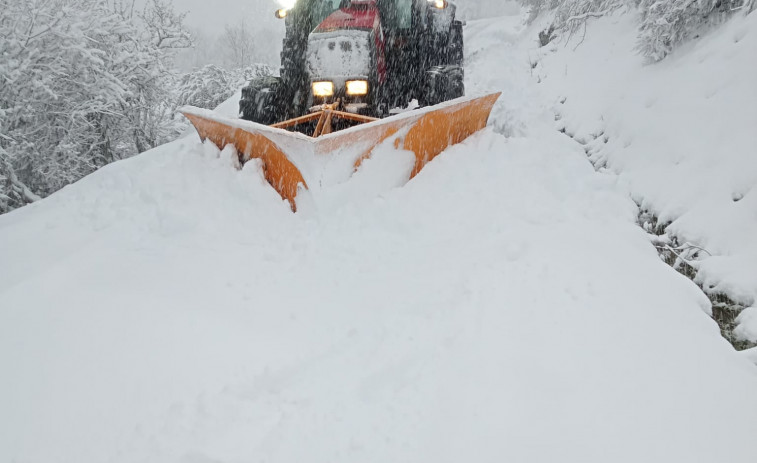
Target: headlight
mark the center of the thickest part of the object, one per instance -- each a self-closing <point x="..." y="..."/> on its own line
<point x="323" y="89"/>
<point x="441" y="4"/>
<point x="287" y="4"/>
<point x="357" y="87"/>
<point x="281" y="13"/>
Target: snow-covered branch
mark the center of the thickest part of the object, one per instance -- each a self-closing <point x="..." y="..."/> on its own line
<point x="165" y="26"/>
<point x="588" y="14"/>
<point x="663" y="25"/>
<point x="84" y="82"/>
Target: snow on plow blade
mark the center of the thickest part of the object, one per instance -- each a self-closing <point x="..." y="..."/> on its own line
<point x="288" y="157"/>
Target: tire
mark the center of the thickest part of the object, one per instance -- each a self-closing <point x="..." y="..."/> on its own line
<point x="268" y="100"/>
<point x="261" y="101"/>
<point x="443" y="83"/>
<point x="455" y="82"/>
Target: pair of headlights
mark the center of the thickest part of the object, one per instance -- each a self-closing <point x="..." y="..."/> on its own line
<point x="354" y="88"/>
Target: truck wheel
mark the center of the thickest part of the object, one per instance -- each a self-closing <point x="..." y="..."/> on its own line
<point x="261" y="101"/>
<point x="456" y="81"/>
<point x="443" y="83"/>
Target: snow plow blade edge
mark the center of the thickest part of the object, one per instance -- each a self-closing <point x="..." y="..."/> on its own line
<point x="426" y="132"/>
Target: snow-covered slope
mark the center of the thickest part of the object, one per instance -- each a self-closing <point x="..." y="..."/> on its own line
<point x="501" y="306"/>
<point x="681" y="134"/>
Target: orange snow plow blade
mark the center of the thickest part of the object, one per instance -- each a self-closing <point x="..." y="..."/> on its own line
<point x="426" y="132"/>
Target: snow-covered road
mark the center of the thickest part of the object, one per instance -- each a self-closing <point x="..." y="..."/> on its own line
<point x="501" y="306"/>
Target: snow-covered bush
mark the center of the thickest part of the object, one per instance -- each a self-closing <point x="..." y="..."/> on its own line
<point x="663" y="23"/>
<point x="211" y="85"/>
<point x="667" y="23"/>
<point x="205" y="88"/>
<point x="82" y="84"/>
<point x="248" y="73"/>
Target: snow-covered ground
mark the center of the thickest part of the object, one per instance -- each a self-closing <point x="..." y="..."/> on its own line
<point x="681" y="135"/>
<point x="501" y="306"/>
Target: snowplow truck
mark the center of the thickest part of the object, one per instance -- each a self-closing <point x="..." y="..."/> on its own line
<point x="364" y="56"/>
<point x="348" y="64"/>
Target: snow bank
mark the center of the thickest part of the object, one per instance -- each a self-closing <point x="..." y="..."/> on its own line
<point x="170" y="308"/>
<point x="680" y="134"/>
<point x="501" y="306"/>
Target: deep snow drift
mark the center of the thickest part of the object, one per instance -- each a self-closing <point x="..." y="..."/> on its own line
<point x="501" y="306"/>
<point x="681" y="135"/>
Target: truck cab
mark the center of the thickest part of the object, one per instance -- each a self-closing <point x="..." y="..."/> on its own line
<point x="370" y="55"/>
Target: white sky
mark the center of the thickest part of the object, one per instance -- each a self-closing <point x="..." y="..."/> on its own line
<point x="211" y="15"/>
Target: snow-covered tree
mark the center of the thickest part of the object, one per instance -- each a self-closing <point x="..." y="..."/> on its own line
<point x="663" y="23"/>
<point x="165" y="26"/>
<point x="82" y="84"/>
<point x="238" y="45"/>
<point x="666" y="23"/>
<point x="59" y="85"/>
<point x="148" y="109"/>
<point x="13" y="193"/>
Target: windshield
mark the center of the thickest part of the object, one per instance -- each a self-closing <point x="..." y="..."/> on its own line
<point x="321" y="9"/>
<point x="396" y="14"/>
